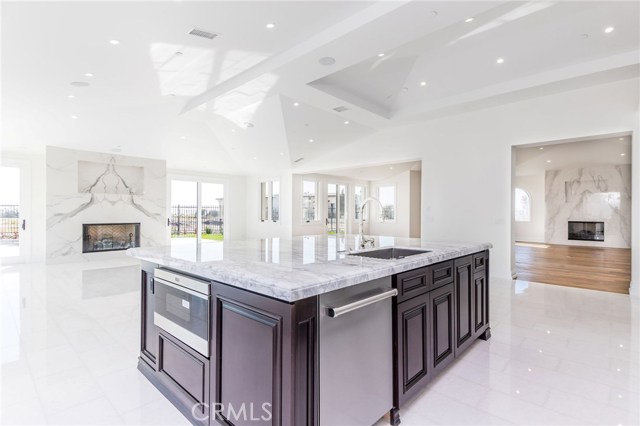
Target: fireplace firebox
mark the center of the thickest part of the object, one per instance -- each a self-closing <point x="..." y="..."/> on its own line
<point x="99" y="237"/>
<point x="586" y="231"/>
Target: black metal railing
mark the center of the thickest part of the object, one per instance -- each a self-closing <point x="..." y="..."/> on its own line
<point x="184" y="220"/>
<point x="9" y="221"/>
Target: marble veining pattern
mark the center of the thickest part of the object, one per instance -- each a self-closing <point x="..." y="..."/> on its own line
<point x="293" y="269"/>
<point x="89" y="187"/>
<point x="589" y="194"/>
<point x="110" y="178"/>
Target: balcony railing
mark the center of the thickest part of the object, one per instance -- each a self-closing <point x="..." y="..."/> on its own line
<point x="184" y="220"/>
<point x="9" y="221"/>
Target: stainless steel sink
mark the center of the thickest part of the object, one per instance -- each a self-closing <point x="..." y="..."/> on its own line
<point x="390" y="253"/>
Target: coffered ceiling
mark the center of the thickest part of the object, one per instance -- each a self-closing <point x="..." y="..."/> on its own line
<point x="263" y="92"/>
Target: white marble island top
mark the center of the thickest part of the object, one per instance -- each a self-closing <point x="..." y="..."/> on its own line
<point x="299" y="267"/>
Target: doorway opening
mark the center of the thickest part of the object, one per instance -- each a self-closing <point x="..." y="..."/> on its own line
<point x="571" y="213"/>
<point x="14" y="212"/>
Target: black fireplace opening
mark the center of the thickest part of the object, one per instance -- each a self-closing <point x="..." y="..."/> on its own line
<point x="99" y="237"/>
<point x="586" y="231"/>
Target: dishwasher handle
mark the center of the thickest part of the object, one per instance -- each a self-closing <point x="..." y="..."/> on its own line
<point x="336" y="311"/>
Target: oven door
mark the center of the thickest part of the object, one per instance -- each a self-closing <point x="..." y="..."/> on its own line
<point x="183" y="313"/>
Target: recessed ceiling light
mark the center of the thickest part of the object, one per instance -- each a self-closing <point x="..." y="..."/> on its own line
<point x="548" y="161"/>
<point x="423" y="83"/>
<point x="70" y="96"/>
<point x="469" y="19"/>
<point x="75" y="117"/>
<point x="391" y="168"/>
<point x="233" y="130"/>
<point x="620" y="139"/>
<point x="346" y="122"/>
<point x="609" y="30"/>
<point x="296" y="104"/>
<point x="88" y="74"/>
<point x="310" y="140"/>
<point x="541" y="148"/>
<point x="183" y="137"/>
<point x="114" y="42"/>
<point x="255" y="158"/>
<point x="270" y="25"/>
<point x="327" y="60"/>
<point x="499" y="60"/>
<point x="622" y="154"/>
<point x="380" y="55"/>
<point x="282" y="153"/>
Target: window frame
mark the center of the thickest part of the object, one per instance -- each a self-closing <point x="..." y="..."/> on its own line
<point x="395" y="203"/>
<point x="317" y="218"/>
<point x="515" y="205"/>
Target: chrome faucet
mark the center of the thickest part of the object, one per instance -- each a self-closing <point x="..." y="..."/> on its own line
<point x="370" y="240"/>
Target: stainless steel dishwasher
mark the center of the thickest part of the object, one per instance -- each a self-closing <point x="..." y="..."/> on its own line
<point x="356" y="358"/>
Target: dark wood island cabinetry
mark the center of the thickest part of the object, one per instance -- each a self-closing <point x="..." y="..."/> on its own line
<point x="266" y="351"/>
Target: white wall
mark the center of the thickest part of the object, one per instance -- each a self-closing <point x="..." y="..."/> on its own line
<point x="466" y="159"/>
<point x="532" y="231"/>
<point x="255" y="228"/>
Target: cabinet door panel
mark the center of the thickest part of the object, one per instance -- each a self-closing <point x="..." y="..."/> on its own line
<point x="480" y="297"/>
<point x="413" y="371"/>
<point x="148" y="332"/>
<point x="248" y="368"/>
<point x="464" y="290"/>
<point x="442" y="326"/>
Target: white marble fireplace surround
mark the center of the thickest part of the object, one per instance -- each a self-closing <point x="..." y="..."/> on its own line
<point x="589" y="194"/>
<point x="91" y="187"/>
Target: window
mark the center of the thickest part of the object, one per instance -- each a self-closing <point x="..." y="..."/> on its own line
<point x="270" y="201"/>
<point x="387" y="197"/>
<point x="522" y="206"/>
<point x="359" y="194"/>
<point x="309" y="201"/>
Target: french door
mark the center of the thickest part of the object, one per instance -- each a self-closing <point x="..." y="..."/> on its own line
<point x="14" y="211"/>
<point x="336" y="218"/>
<point x="196" y="211"/>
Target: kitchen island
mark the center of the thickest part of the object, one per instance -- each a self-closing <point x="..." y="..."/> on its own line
<point x="303" y="332"/>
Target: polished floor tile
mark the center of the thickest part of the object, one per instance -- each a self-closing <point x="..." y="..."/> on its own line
<point x="557" y="356"/>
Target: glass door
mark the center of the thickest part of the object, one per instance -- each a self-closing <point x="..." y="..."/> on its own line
<point x="196" y="211"/>
<point x="212" y="211"/>
<point x="336" y="209"/>
<point x="14" y="212"/>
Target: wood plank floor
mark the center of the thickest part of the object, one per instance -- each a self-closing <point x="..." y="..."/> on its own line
<point x="595" y="268"/>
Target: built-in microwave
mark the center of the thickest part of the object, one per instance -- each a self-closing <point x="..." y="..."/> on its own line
<point x="182" y="308"/>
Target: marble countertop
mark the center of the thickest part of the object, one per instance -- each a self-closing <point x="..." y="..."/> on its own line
<point x="296" y="268"/>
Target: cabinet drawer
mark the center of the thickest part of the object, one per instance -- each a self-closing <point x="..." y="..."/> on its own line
<point x="183" y="369"/>
<point x="479" y="261"/>
<point x="412" y="283"/>
<point x="441" y="274"/>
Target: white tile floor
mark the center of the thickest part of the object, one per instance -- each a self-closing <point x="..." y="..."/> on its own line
<point x="557" y="356"/>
